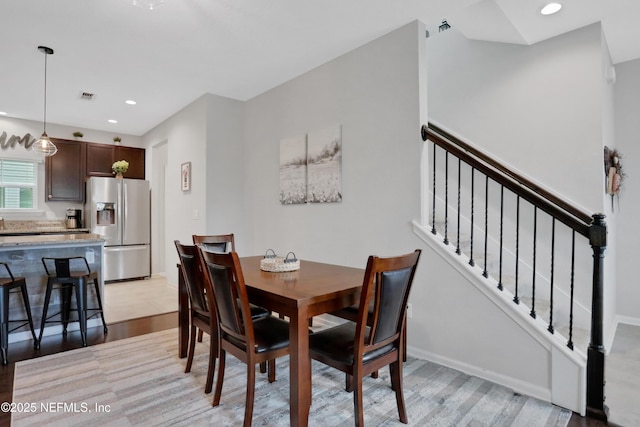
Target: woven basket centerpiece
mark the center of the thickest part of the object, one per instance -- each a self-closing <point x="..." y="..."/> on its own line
<point x="278" y="264"/>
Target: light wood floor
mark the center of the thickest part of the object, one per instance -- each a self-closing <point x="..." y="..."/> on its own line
<point x="139" y="298"/>
<point x="154" y="296"/>
<point x="622" y="373"/>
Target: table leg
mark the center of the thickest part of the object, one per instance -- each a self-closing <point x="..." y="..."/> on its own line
<point x="183" y="316"/>
<point x="300" y="369"/>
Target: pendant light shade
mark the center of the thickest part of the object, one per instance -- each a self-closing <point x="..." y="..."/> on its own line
<point x="44" y="145"/>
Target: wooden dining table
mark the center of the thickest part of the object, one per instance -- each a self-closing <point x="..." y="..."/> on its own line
<point x="316" y="288"/>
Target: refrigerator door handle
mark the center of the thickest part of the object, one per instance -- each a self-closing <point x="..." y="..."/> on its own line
<point x="124" y="210"/>
<point x="119" y="213"/>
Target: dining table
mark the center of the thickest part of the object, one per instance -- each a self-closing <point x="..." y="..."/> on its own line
<point x="316" y="288"/>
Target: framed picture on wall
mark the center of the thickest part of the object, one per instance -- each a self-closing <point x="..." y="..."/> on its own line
<point x="324" y="165"/>
<point x="293" y="170"/>
<point x="185" y="176"/>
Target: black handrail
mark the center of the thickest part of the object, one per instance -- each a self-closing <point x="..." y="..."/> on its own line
<point x="592" y="227"/>
<point x="530" y="191"/>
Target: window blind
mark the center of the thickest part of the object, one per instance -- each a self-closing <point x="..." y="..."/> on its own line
<point x="18" y="181"/>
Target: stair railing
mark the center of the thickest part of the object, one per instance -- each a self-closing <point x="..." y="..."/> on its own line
<point x="591" y="227"/>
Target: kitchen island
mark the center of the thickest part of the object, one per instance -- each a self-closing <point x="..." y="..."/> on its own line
<point x="24" y="256"/>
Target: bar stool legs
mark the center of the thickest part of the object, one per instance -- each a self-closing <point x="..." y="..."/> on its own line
<point x="69" y="283"/>
<point x="6" y="286"/>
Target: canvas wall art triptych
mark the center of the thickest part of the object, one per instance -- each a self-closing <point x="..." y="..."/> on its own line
<point x="311" y="167"/>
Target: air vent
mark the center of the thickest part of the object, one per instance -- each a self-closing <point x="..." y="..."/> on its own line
<point x="88" y="96"/>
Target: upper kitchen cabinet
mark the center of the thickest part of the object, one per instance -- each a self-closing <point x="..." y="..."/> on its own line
<point x="65" y="172"/>
<point x="100" y="157"/>
<point x="135" y="157"/>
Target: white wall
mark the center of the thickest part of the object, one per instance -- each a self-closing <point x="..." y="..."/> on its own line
<point x="373" y="93"/>
<point x="545" y="98"/>
<point x="185" y="136"/>
<point x="209" y="134"/>
<point x="226" y="211"/>
<point x="611" y="285"/>
<point x="627" y="107"/>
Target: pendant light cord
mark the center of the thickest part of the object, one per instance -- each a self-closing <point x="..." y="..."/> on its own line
<point x="45" y="92"/>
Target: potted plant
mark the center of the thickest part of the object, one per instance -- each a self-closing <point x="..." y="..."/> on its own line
<point x="77" y="134"/>
<point x="120" y="167"/>
<point x="116" y="140"/>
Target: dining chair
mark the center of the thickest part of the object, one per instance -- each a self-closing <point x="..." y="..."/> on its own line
<point x="251" y="341"/>
<point x="375" y="339"/>
<point x="214" y="243"/>
<point x="202" y="313"/>
<point x="226" y="243"/>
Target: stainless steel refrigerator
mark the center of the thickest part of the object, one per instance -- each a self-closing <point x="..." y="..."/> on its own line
<point x="120" y="211"/>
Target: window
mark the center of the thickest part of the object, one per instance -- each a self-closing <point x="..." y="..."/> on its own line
<point x="18" y="184"/>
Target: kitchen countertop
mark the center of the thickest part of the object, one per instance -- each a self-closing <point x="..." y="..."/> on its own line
<point x="49" y="239"/>
<point x="41" y="230"/>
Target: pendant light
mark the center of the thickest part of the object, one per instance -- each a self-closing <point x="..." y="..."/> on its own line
<point x="44" y="145"/>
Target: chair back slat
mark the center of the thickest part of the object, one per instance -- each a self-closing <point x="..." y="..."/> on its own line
<point x="215" y="243"/>
<point x="62" y="268"/>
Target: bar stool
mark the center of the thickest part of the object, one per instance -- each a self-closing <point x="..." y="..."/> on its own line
<point x="67" y="281"/>
<point x="10" y="285"/>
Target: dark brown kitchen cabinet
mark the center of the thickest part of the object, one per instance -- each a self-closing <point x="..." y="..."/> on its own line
<point x="99" y="159"/>
<point x="65" y="172"/>
<point x="135" y="157"/>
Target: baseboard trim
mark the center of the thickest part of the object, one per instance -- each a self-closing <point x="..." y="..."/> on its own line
<point x="628" y="320"/>
<point x="516" y="385"/>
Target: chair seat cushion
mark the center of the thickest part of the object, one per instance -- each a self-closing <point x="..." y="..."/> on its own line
<point x="337" y="343"/>
<point x="270" y="333"/>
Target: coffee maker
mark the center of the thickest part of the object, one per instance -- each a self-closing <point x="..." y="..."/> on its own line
<point x="74" y="218"/>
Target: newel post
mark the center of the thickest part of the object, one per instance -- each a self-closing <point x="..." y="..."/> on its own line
<point x="596" y="353"/>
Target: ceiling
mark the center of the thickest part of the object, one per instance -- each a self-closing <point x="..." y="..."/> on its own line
<point x="166" y="58"/>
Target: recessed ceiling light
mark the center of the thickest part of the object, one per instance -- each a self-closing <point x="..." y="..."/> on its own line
<point x="551" y="8"/>
<point x="148" y="4"/>
<point x="130" y="102"/>
<point x="112" y="121"/>
<point x="2" y="113"/>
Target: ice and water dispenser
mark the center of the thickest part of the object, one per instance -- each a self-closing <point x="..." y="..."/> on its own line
<point x="106" y="213"/>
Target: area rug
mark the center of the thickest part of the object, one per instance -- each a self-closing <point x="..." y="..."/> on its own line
<point x="141" y="381"/>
